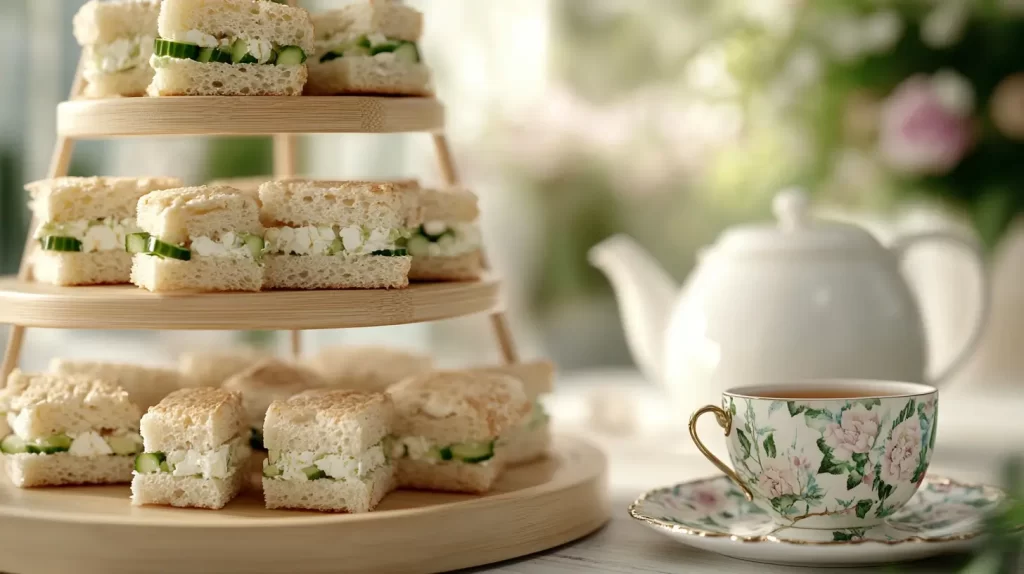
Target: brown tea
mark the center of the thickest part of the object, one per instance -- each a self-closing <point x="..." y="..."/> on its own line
<point x="798" y="394"/>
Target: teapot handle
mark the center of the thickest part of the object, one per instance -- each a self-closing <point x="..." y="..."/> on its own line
<point x="902" y="245"/>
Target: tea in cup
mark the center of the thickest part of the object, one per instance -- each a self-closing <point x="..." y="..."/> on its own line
<point x="827" y="454"/>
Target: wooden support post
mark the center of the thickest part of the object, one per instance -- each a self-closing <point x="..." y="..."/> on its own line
<point x="498" y="320"/>
<point x="285" y="158"/>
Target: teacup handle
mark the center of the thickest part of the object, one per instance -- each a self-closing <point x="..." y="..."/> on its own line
<point x="724" y="419"/>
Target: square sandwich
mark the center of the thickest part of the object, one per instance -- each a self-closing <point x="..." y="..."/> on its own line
<point x="60" y="430"/>
<point x="369" y="47"/>
<point x="198" y="239"/>
<point x="447" y="246"/>
<point x="531" y="438"/>
<point x="196" y="449"/>
<point x="213" y="368"/>
<point x="146" y="386"/>
<point x="328" y="451"/>
<point x="367" y="368"/>
<point x="337" y="235"/>
<point x="265" y="382"/>
<point x="117" y="41"/>
<point x="83" y="225"/>
<point x="449" y="428"/>
<point x="230" y="48"/>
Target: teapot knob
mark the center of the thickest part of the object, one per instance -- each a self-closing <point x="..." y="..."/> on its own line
<point x="790" y="208"/>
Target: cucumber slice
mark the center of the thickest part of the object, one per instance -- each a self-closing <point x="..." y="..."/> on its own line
<point x="164" y="467"/>
<point x="53" y="443"/>
<point x="364" y="42"/>
<point x="473" y="452"/>
<point x="57" y="243"/>
<point x="391" y="252"/>
<point x="313" y="473"/>
<point x="337" y="246"/>
<point x="444" y="453"/>
<point x="291" y="56"/>
<point x="330" y="56"/>
<point x="271" y="470"/>
<point x="136" y="242"/>
<point x="214" y="55"/>
<point x="161" y="249"/>
<point x="407" y="53"/>
<point x="13" y="444"/>
<point x="418" y="245"/>
<point x="151" y="462"/>
<point x="123" y="445"/>
<point x="385" y="47"/>
<point x="357" y="51"/>
<point x="173" y="49"/>
<point x="256" y="439"/>
<point x="254" y="243"/>
<point x="240" y="53"/>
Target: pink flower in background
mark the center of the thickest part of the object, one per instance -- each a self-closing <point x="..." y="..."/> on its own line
<point x="855" y="432"/>
<point x="777" y="479"/>
<point x="869" y="478"/>
<point x="902" y="452"/>
<point x="707" y="500"/>
<point x="925" y="126"/>
<point x="801" y="462"/>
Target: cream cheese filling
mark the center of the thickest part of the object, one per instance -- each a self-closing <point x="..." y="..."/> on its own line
<point x="96" y="234"/>
<point x="308" y="465"/>
<point x="121" y="55"/>
<point x="333" y="240"/>
<point x="443" y="239"/>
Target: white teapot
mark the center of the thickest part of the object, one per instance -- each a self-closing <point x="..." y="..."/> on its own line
<point x="799" y="299"/>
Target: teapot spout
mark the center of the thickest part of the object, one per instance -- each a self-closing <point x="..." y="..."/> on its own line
<point x="645" y="294"/>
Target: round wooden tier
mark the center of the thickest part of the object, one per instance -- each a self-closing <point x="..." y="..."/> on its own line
<point x="128" y="307"/>
<point x="95" y="529"/>
<point x="252" y="115"/>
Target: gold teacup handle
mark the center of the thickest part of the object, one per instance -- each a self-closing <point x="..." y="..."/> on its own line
<point x="724" y="419"/>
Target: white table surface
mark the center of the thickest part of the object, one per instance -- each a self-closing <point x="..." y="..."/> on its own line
<point x="976" y="433"/>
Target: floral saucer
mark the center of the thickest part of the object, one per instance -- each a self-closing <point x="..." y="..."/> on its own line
<point x="712" y="514"/>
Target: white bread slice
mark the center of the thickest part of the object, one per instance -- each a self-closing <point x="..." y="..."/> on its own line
<point x="448" y="476"/>
<point x="524" y="444"/>
<point x="269" y="380"/>
<point x="465" y="267"/>
<point x="368" y="75"/>
<point x="249" y="185"/>
<point x="179" y="215"/>
<point x="450" y="407"/>
<point x="198" y="274"/>
<point x="347" y="495"/>
<point x="193" y="419"/>
<point x="76" y="198"/>
<point x="185" y="491"/>
<point x="104" y="22"/>
<point x="368" y="368"/>
<point x="449" y="205"/>
<point x="537" y="377"/>
<point x="28" y="470"/>
<point x="302" y="202"/>
<point x="95" y="268"/>
<point x="335" y="272"/>
<point x="131" y="83"/>
<point x="47" y="404"/>
<point x="180" y="77"/>
<point x="211" y="369"/>
<point x="276" y="23"/>
<point x="390" y="19"/>
<point x="328" y="421"/>
<point x="146" y="386"/>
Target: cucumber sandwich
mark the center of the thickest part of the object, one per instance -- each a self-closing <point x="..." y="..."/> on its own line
<point x="197" y="239"/>
<point x="146" y="386"/>
<point x="264" y="382"/>
<point x="212" y="368"/>
<point x="367" y="368"/>
<point x="447" y="246"/>
<point x="83" y="225"/>
<point x="58" y="430"/>
<point x="117" y="41"/>
<point x="369" y="47"/>
<point x="531" y="438"/>
<point x="449" y="427"/>
<point x="196" y="450"/>
<point x="337" y="235"/>
<point x="328" y="450"/>
<point x="230" y="48"/>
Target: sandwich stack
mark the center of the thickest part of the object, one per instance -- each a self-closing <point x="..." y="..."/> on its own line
<point x="117" y="41"/>
<point x="146" y="386"/>
<point x="531" y="438"/>
<point x="369" y="48"/>
<point x="265" y="382"/>
<point x="447" y="247"/>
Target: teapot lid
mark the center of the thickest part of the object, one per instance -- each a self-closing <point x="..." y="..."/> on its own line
<point x="795" y="231"/>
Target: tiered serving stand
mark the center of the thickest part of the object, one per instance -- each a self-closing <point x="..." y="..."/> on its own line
<point x="95" y="529"/>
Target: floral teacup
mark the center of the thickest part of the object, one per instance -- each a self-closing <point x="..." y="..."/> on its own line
<point x="827" y="454"/>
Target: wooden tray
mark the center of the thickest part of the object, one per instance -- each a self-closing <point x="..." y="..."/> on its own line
<point x="242" y="115"/>
<point x="95" y="529"/>
<point x="128" y="307"/>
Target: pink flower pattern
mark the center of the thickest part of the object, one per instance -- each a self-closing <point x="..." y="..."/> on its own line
<point x="856" y="432"/>
<point x="902" y="452"/>
<point x="777" y="479"/>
